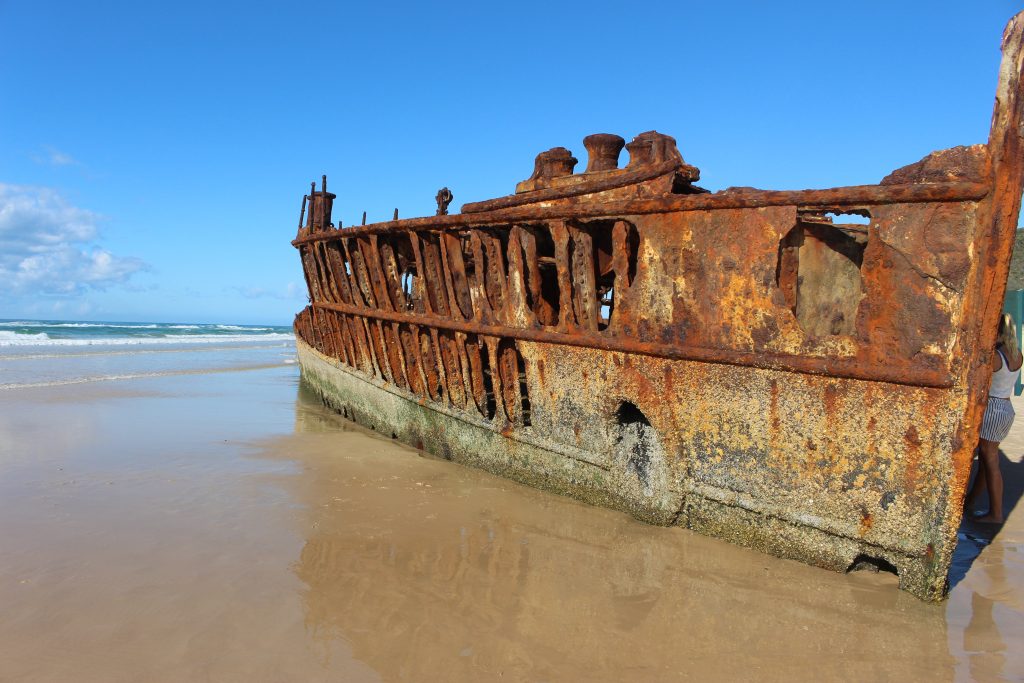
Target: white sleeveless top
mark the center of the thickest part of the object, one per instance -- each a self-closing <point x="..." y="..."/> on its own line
<point x="1003" y="379"/>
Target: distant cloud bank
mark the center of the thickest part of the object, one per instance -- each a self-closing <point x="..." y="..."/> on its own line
<point x="48" y="246"/>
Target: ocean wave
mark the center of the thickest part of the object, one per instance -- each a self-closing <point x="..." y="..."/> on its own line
<point x="38" y="323"/>
<point x="42" y="339"/>
<point x="135" y="375"/>
<point x="18" y="338"/>
<point x="243" y="328"/>
<point x="135" y="326"/>
<point x="248" y="345"/>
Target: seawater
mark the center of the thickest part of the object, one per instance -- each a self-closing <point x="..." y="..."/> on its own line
<point x="175" y="506"/>
<point x="36" y="353"/>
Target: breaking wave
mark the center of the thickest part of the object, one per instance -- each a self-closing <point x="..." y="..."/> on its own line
<point x="93" y="333"/>
<point x="16" y="338"/>
<point x="42" y="339"/>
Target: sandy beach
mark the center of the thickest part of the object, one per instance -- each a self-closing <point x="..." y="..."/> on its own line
<point x="215" y="523"/>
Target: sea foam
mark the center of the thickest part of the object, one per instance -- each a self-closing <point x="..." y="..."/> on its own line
<point x="17" y="339"/>
<point x="42" y="339"/>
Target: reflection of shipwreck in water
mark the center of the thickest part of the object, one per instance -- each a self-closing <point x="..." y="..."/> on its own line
<point x="737" y="362"/>
<point x="468" y="579"/>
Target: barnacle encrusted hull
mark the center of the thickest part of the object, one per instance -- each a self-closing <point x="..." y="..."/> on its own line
<point x="741" y="363"/>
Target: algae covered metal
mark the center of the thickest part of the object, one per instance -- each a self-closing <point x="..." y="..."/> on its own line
<point x="748" y="364"/>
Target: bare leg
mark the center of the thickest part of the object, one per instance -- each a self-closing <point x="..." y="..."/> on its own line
<point x="994" y="481"/>
<point x="977" y="486"/>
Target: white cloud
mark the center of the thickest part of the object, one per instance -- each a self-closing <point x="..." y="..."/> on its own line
<point x="54" y="157"/>
<point x="59" y="158"/>
<point x="48" y="246"/>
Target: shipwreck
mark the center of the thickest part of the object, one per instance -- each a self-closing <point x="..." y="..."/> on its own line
<point x="746" y="363"/>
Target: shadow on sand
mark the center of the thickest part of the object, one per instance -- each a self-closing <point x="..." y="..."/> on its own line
<point x="973" y="537"/>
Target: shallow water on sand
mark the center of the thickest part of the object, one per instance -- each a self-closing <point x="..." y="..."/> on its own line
<point x="224" y="526"/>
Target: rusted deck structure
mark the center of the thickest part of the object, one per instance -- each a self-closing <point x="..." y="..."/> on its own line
<point x="741" y="363"/>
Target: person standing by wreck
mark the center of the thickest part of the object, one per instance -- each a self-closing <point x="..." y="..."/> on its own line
<point x="995" y="425"/>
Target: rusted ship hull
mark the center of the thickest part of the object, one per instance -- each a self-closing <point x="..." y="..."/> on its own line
<point x="734" y="363"/>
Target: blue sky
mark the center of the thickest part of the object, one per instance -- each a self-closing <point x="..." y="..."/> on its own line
<point x="153" y="156"/>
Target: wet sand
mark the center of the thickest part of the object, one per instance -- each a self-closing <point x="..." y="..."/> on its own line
<point x="225" y="527"/>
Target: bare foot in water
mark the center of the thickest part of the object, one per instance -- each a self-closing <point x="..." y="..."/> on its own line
<point x="989" y="519"/>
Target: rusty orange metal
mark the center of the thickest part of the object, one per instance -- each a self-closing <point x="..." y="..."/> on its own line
<point x="742" y="363"/>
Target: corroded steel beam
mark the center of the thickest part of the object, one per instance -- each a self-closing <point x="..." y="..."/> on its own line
<point x="854" y="195"/>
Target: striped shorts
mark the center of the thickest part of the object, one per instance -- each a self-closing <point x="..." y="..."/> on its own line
<point x="998" y="419"/>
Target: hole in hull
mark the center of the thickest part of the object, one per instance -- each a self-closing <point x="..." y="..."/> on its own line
<point x="637" y="444"/>
<point x="819" y="272"/>
<point x="871" y="564"/>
